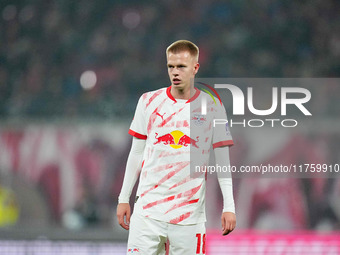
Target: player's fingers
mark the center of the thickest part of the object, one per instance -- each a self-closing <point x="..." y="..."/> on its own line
<point x="120" y="218"/>
<point x="232" y="224"/>
<point x="223" y="224"/>
<point x="124" y="225"/>
<point x="128" y="215"/>
<point x="226" y="229"/>
<point x="231" y="227"/>
<point x="228" y="225"/>
<point x="226" y="232"/>
<point x="228" y="221"/>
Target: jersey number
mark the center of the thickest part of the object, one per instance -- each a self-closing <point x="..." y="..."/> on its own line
<point x="200" y="240"/>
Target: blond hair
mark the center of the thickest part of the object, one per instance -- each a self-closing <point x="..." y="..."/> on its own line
<point x="183" y="45"/>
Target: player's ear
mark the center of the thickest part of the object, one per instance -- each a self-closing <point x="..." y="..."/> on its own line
<point x="196" y="67"/>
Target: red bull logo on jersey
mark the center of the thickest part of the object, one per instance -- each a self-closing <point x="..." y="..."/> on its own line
<point x="176" y="139"/>
<point x="199" y="119"/>
<point x="133" y="251"/>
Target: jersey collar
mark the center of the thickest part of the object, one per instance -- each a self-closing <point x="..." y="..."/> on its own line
<point x="197" y="92"/>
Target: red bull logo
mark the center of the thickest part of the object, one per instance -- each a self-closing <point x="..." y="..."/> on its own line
<point x="176" y="139"/>
<point x="132" y="251"/>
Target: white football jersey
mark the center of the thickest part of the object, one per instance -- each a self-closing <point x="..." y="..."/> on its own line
<point x="177" y="136"/>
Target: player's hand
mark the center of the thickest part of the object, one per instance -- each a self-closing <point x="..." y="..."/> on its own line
<point x="228" y="222"/>
<point x="124" y="213"/>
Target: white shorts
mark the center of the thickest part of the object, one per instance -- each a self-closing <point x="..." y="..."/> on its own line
<point x="149" y="237"/>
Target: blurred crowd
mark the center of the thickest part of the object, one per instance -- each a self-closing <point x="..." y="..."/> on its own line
<point x="46" y="45"/>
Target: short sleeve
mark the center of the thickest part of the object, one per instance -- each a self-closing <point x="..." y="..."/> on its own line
<point x="221" y="131"/>
<point x="137" y="127"/>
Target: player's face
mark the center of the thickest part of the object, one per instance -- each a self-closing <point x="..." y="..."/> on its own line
<point x="182" y="68"/>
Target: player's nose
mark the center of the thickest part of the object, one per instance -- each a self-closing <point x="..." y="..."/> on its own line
<point x="175" y="72"/>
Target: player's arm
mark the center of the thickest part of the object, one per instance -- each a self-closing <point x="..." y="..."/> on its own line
<point x="132" y="171"/>
<point x="228" y="218"/>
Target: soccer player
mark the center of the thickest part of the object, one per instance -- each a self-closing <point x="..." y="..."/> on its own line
<point x="170" y="201"/>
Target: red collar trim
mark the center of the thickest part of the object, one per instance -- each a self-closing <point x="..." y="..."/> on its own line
<point x="190" y="100"/>
<point x="197" y="93"/>
<point x="169" y="94"/>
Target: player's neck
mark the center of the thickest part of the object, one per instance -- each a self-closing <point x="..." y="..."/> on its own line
<point x="182" y="93"/>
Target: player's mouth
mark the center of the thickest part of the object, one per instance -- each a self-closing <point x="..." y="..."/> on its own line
<point x="176" y="81"/>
